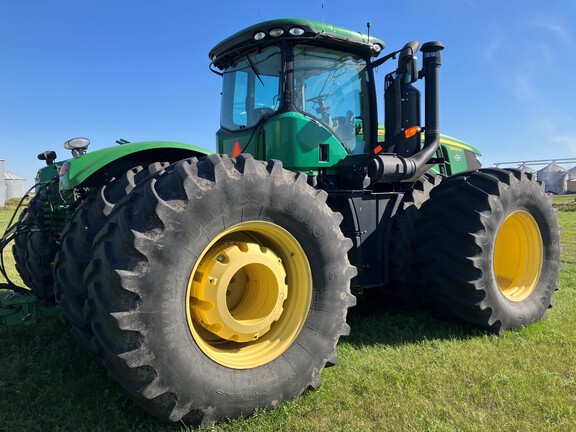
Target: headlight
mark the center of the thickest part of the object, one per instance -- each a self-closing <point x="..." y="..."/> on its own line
<point x="296" y="31"/>
<point x="275" y="32"/>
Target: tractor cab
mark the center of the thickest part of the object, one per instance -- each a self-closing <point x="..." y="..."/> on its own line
<point x="299" y="91"/>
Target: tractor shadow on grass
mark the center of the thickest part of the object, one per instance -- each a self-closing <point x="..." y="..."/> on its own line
<point x="47" y="382"/>
<point x="378" y="324"/>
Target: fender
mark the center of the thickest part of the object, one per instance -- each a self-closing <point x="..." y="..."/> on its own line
<point x="47" y="173"/>
<point x="458" y="155"/>
<point x="86" y="170"/>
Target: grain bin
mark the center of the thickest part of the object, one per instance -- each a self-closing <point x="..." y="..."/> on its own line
<point x="528" y="170"/>
<point x="571" y="184"/>
<point x="554" y="178"/>
<point x="2" y="184"/>
<point x="15" y="186"/>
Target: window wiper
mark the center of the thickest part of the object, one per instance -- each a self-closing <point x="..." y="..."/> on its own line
<point x="253" y="67"/>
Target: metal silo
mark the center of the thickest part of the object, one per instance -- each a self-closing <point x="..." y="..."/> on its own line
<point x="554" y="178"/>
<point x="571" y="184"/>
<point x="15" y="186"/>
<point x="528" y="170"/>
<point x="2" y="184"/>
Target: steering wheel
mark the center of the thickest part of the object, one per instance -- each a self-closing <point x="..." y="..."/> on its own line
<point x="320" y="98"/>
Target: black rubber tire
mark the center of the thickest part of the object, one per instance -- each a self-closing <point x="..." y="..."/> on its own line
<point x="402" y="292"/>
<point x="19" y="247"/>
<point x="458" y="253"/>
<point x="76" y="248"/>
<point x="144" y="258"/>
<point x="34" y="251"/>
<point x="41" y="249"/>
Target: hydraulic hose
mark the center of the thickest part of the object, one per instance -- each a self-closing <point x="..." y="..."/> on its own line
<point x="11" y="232"/>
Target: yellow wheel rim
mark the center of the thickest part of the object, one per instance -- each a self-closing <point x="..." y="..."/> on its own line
<point x="249" y="295"/>
<point x="518" y="256"/>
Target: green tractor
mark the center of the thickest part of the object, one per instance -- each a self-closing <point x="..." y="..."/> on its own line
<point x="210" y="285"/>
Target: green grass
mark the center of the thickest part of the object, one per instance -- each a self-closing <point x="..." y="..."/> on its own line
<point x="565" y="202"/>
<point x="401" y="372"/>
<point x="5" y="216"/>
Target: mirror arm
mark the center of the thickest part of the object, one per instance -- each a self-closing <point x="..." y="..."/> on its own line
<point x="384" y="59"/>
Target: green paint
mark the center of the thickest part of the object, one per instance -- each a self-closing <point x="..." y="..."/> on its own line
<point x="47" y="173"/>
<point x="18" y="309"/>
<point x="75" y="171"/>
<point x="301" y="144"/>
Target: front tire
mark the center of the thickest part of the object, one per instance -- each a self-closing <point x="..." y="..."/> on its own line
<point x="219" y="287"/>
<point x="19" y="246"/>
<point x="34" y="250"/>
<point x="490" y="249"/>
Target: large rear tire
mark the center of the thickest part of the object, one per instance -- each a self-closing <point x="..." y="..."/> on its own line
<point x="490" y="248"/>
<point x="76" y="248"/>
<point x="218" y="287"/>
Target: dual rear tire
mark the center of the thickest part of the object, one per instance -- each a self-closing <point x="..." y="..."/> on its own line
<point x="488" y="249"/>
<point x="76" y="248"/>
<point x="219" y="286"/>
<point x="207" y="288"/>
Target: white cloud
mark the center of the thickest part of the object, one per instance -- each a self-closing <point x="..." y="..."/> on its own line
<point x="554" y="26"/>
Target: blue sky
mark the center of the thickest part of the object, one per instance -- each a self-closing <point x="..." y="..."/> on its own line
<point x="138" y="70"/>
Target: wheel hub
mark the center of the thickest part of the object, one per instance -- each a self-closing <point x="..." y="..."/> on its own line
<point x="518" y="256"/>
<point x="238" y="291"/>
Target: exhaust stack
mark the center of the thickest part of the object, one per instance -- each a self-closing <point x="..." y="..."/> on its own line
<point x="395" y="167"/>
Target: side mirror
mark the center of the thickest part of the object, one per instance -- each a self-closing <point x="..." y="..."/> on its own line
<point x="408" y="62"/>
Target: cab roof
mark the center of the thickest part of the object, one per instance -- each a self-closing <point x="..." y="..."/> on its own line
<point x="309" y="31"/>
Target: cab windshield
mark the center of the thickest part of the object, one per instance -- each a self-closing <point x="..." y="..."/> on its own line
<point x="328" y="85"/>
<point x="251" y="89"/>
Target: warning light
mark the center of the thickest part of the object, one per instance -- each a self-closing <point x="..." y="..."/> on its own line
<point x="237" y="150"/>
<point x="411" y="131"/>
<point x="63" y="170"/>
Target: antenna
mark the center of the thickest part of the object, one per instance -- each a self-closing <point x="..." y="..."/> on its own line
<point x="368" y="24"/>
<point x="323" y="12"/>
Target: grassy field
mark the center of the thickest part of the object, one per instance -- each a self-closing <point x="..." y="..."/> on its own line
<point x="565" y="202"/>
<point x="398" y="372"/>
<point x="6" y="214"/>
